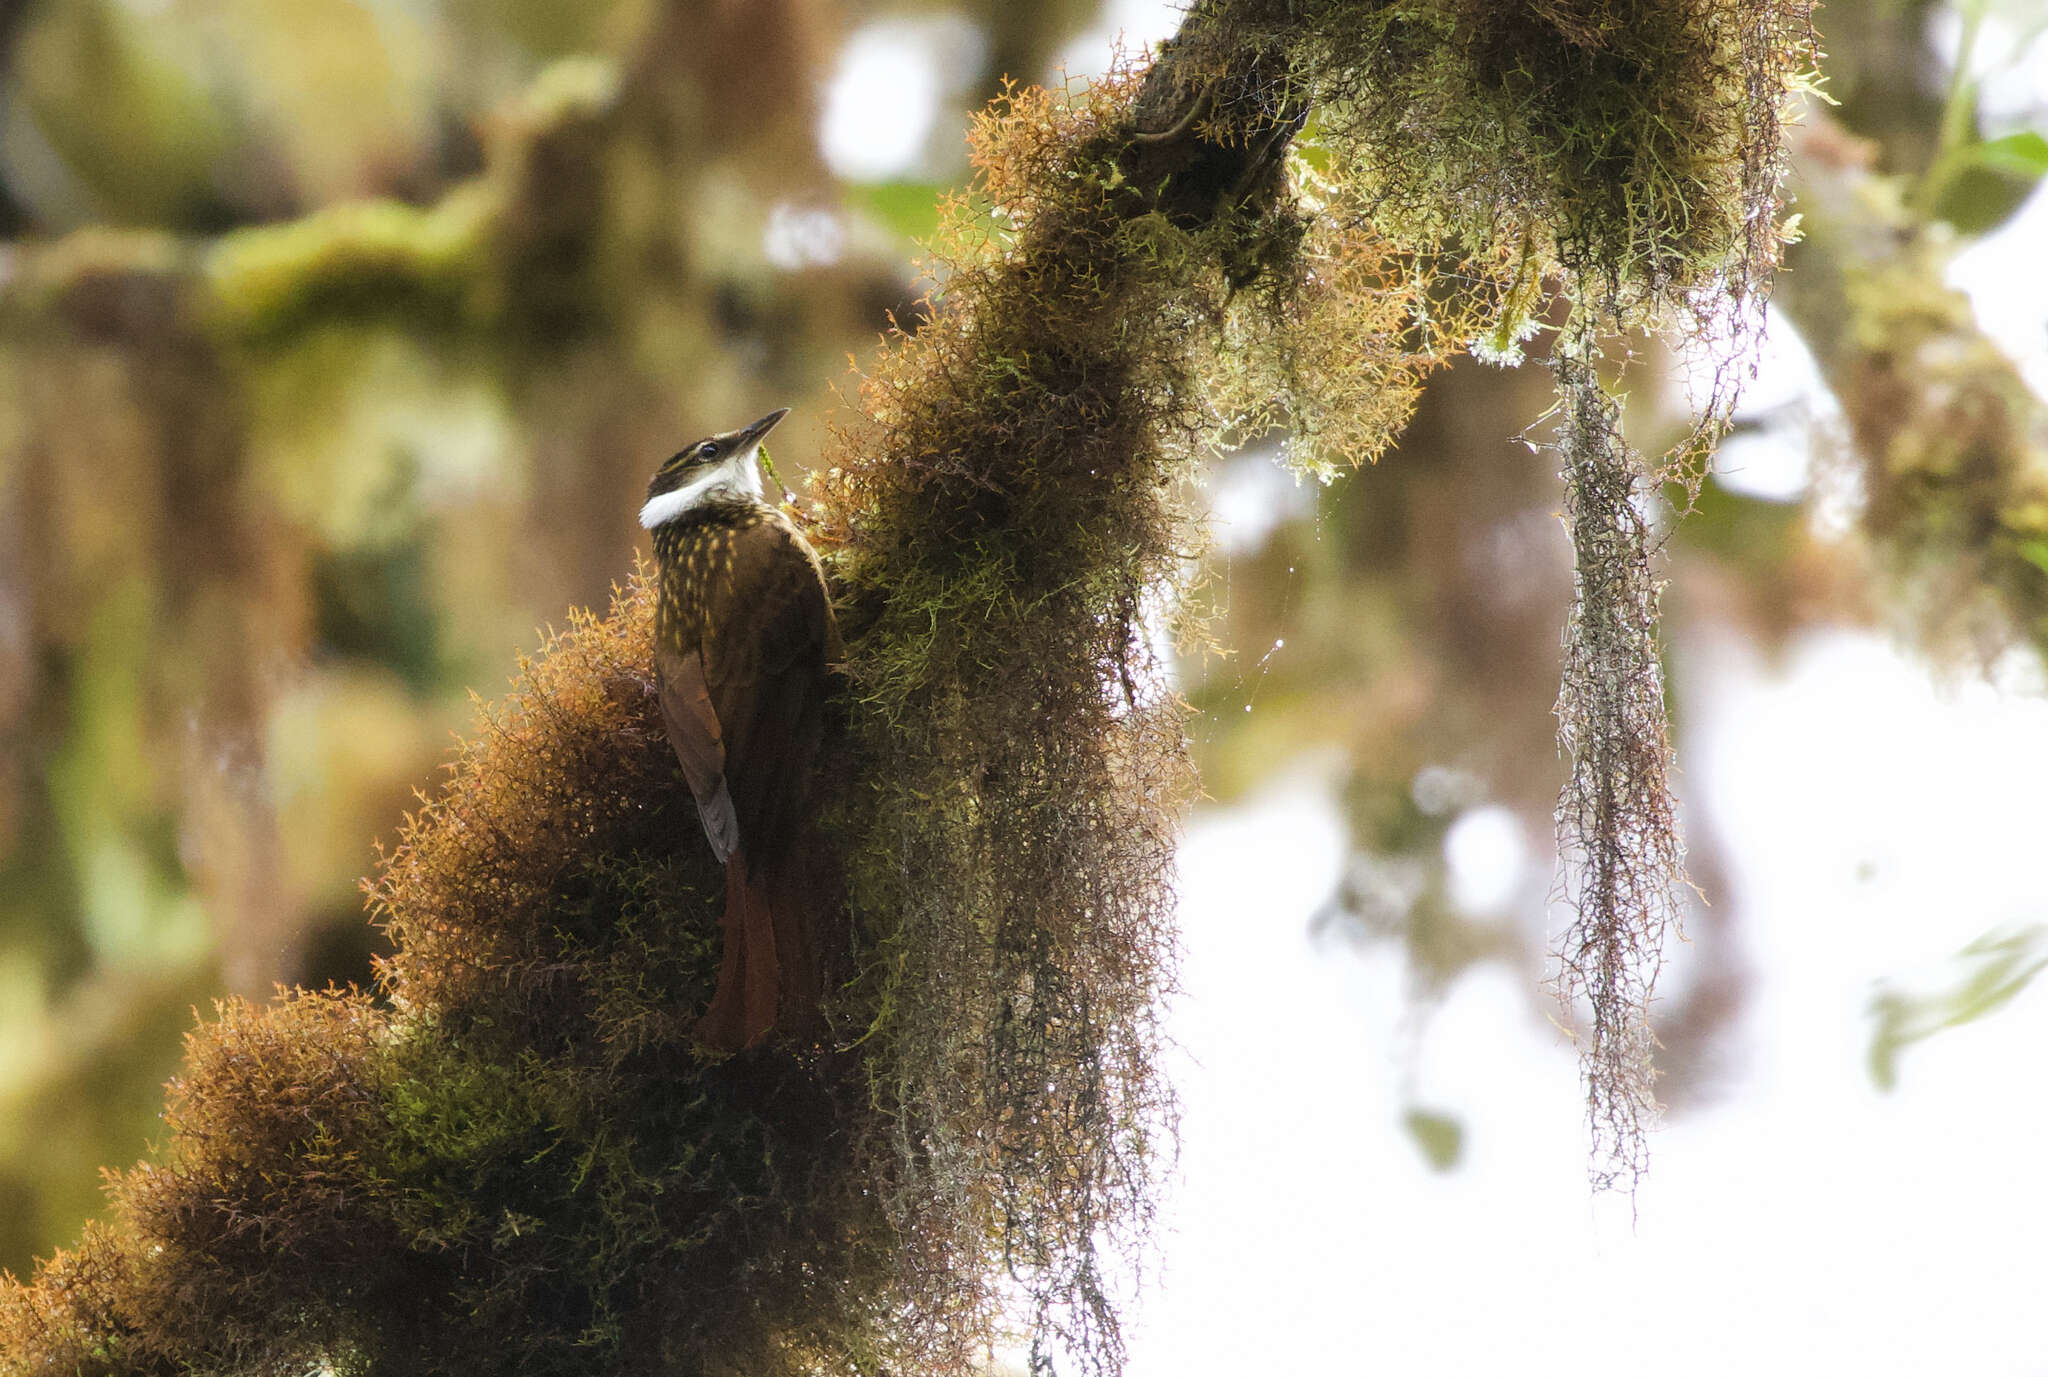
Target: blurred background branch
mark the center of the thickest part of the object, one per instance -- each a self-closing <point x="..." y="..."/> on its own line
<point x="276" y="492"/>
<point x="337" y="339"/>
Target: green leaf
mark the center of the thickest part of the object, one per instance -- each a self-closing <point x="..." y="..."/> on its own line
<point x="1440" y="1138"/>
<point x="911" y="209"/>
<point x="1990" y="973"/>
<point x="1979" y="186"/>
<point x="2020" y="155"/>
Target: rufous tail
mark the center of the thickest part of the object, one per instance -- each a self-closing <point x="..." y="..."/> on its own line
<point x="770" y="974"/>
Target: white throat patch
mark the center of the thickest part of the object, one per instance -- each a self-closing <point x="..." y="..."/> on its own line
<point x="736" y="476"/>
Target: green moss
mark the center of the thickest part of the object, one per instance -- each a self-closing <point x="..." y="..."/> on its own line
<point x="527" y="1166"/>
<point x="1636" y="136"/>
<point x="511" y="250"/>
<point x="1956" y="491"/>
<point x="360" y="260"/>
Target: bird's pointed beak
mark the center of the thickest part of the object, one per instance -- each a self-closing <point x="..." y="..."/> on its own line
<point x="753" y="434"/>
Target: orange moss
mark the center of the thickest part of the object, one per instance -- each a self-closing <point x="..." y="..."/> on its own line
<point x="521" y="1164"/>
<point x="524" y="1166"/>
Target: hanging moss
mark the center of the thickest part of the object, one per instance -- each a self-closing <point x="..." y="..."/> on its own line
<point x="1133" y="282"/>
<point x="525" y="1166"/>
<point x="1622" y="866"/>
<point x="1624" y="156"/>
<point x="1629" y="155"/>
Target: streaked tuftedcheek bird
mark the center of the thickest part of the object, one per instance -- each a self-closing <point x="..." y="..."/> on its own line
<point x="745" y="645"/>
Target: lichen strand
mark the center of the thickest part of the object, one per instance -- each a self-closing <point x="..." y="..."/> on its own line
<point x="525" y="1167"/>
<point x="1621" y="860"/>
<point x="521" y="1165"/>
<point x="1631" y="152"/>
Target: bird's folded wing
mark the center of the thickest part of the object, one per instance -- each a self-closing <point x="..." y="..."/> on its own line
<point x="768" y="686"/>
<point x="694" y="732"/>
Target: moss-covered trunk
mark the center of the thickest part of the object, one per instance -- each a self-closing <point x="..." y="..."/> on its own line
<point x="524" y="1165"/>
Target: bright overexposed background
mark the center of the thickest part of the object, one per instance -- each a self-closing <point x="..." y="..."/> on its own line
<point x="1802" y="1218"/>
<point x="1871" y="823"/>
<point x="1875" y="816"/>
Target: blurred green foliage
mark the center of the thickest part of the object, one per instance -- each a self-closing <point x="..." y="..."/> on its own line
<point x="1988" y="974"/>
<point x="910" y="209"/>
<point x="1440" y="1138"/>
<point x="369" y="396"/>
<point x="337" y="340"/>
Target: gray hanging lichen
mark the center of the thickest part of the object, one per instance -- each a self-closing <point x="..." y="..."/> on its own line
<point x="523" y="1166"/>
<point x="1622" y="862"/>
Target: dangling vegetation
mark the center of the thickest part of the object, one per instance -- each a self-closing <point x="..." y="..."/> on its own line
<point x="518" y="1162"/>
<point x="1621" y="861"/>
<point x="1009" y="504"/>
<point x="1622" y="161"/>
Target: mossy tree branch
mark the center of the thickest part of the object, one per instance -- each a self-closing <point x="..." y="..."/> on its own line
<point x="1949" y="442"/>
<point x="527" y="1161"/>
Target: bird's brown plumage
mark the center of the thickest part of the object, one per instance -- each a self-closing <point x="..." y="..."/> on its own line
<point x="745" y="643"/>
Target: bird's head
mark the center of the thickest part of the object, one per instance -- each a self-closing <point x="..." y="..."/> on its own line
<point x="718" y="465"/>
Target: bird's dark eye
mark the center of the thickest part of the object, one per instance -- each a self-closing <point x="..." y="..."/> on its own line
<point x="705" y="451"/>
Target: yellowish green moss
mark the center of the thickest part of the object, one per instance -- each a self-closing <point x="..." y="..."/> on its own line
<point x="359" y="259"/>
<point x="1956" y="472"/>
<point x="522" y="1165"/>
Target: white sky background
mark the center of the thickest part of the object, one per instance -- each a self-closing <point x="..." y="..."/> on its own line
<point x="1874" y="820"/>
<point x="1803" y="1221"/>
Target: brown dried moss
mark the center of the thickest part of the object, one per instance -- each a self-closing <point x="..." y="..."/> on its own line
<point x="1008" y="511"/>
<point x="522" y="1165"/>
<point x="525" y="1167"/>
